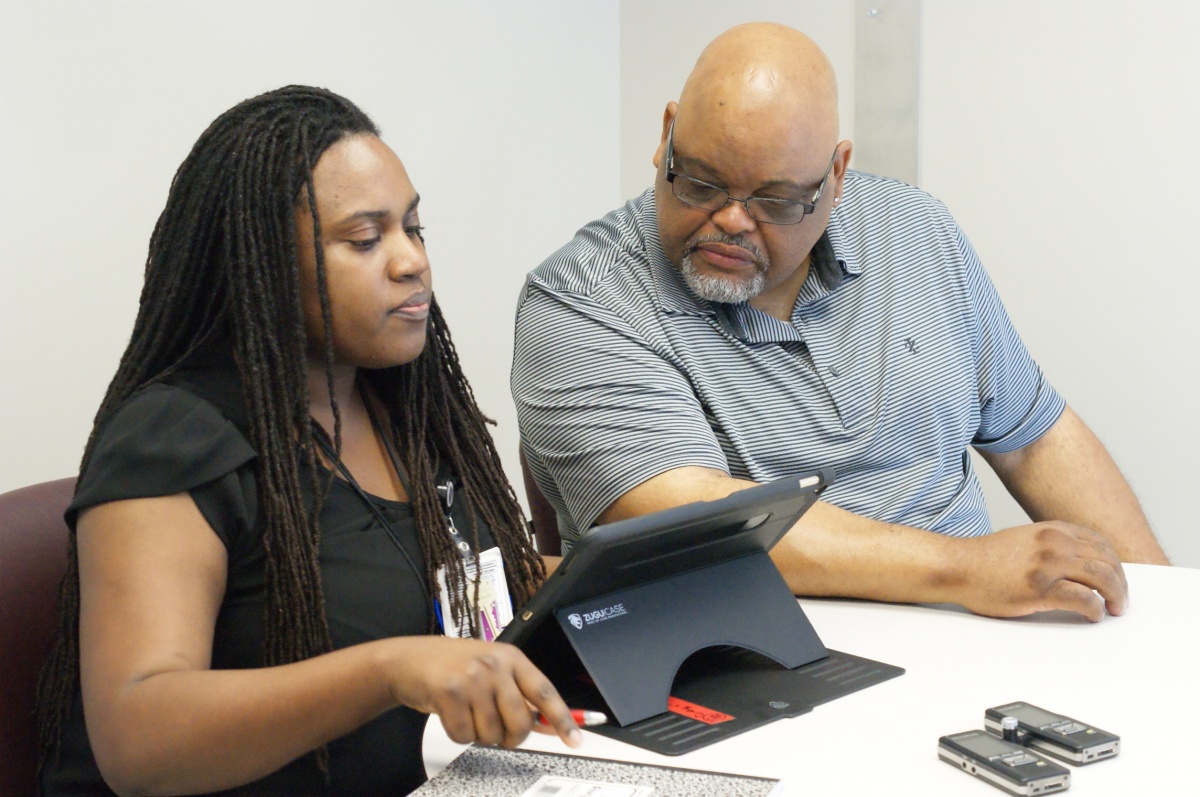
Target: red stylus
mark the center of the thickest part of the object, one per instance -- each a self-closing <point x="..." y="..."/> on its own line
<point x="582" y="717"/>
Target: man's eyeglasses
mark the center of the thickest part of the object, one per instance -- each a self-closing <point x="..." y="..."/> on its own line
<point x="707" y="196"/>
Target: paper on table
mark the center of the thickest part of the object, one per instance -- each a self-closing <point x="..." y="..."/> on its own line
<point x="558" y="786"/>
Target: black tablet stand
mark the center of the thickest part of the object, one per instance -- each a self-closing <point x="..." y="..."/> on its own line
<point x="633" y="642"/>
<point x="680" y="627"/>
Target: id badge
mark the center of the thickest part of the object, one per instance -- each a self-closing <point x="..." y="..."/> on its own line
<point x="495" y="606"/>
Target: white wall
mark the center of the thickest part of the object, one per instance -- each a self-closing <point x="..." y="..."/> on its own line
<point x="1062" y="135"/>
<point x="490" y="106"/>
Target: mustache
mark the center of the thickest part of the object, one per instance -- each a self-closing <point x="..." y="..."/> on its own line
<point x="742" y="242"/>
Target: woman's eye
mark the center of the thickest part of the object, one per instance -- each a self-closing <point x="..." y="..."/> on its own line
<point x="364" y="244"/>
<point x="417" y="231"/>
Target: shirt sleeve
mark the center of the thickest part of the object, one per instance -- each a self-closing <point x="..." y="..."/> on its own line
<point x="600" y="409"/>
<point x="1017" y="403"/>
<point x="166" y="440"/>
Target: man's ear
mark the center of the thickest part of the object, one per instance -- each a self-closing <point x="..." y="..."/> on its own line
<point x="840" y="164"/>
<point x="668" y="117"/>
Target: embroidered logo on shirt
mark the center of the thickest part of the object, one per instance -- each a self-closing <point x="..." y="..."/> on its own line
<point x="911" y="345"/>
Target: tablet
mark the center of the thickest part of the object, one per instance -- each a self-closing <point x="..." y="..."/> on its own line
<point x="662" y="545"/>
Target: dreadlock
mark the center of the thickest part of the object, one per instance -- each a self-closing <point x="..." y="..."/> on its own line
<point x="222" y="266"/>
<point x="444" y="421"/>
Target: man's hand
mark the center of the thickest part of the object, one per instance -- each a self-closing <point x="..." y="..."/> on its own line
<point x="1041" y="567"/>
<point x="1009" y="573"/>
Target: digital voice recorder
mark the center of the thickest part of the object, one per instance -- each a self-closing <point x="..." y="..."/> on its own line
<point x="1008" y="766"/>
<point x="1060" y="736"/>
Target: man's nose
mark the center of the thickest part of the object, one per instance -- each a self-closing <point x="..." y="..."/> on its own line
<point x="735" y="217"/>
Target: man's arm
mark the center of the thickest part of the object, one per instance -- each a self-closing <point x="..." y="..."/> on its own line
<point x="1067" y="474"/>
<point x="832" y="552"/>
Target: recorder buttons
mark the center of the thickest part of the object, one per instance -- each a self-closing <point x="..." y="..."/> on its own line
<point x="1067" y="727"/>
<point x="1018" y="759"/>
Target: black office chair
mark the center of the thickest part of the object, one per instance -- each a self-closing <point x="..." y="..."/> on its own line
<point x="33" y="557"/>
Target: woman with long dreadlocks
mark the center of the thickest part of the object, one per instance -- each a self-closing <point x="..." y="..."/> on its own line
<point x="266" y="506"/>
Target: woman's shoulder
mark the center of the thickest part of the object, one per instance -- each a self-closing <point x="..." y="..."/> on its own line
<point x="169" y="437"/>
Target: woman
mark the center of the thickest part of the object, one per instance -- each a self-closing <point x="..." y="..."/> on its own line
<point x="265" y="502"/>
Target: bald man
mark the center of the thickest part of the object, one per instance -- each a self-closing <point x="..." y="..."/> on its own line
<point x="763" y="311"/>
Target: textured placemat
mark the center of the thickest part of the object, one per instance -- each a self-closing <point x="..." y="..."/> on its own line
<point x="508" y="773"/>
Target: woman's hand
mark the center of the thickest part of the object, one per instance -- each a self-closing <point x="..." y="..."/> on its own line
<point x="484" y="692"/>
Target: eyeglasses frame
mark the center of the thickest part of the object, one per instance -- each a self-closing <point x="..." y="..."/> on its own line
<point x="808" y="207"/>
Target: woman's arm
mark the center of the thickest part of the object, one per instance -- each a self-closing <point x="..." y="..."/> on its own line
<point x="152" y="578"/>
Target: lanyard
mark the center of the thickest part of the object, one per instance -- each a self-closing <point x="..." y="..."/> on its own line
<point x="445" y="490"/>
<point x="445" y="493"/>
<point x="327" y="448"/>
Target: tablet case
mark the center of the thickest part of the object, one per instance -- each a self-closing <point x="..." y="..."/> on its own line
<point x="689" y="597"/>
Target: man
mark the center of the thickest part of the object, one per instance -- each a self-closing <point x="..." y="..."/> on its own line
<point x="762" y="312"/>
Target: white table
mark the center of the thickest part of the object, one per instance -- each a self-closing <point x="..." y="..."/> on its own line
<point x="1136" y="675"/>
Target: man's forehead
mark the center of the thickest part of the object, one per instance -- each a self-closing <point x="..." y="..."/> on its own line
<point x="749" y="150"/>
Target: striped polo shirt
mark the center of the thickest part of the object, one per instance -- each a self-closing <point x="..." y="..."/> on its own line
<point x="898" y="356"/>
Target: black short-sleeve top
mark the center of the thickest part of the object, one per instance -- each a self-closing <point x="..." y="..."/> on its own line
<point x="189" y="433"/>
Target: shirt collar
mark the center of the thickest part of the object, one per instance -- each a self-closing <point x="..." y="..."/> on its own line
<point x="838" y="249"/>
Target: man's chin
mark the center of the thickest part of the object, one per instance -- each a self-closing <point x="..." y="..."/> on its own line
<point x="727" y="290"/>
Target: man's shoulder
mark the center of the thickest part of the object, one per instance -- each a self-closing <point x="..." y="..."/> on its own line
<point x="874" y="193"/>
<point x="615" y="248"/>
<point x="879" y="212"/>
